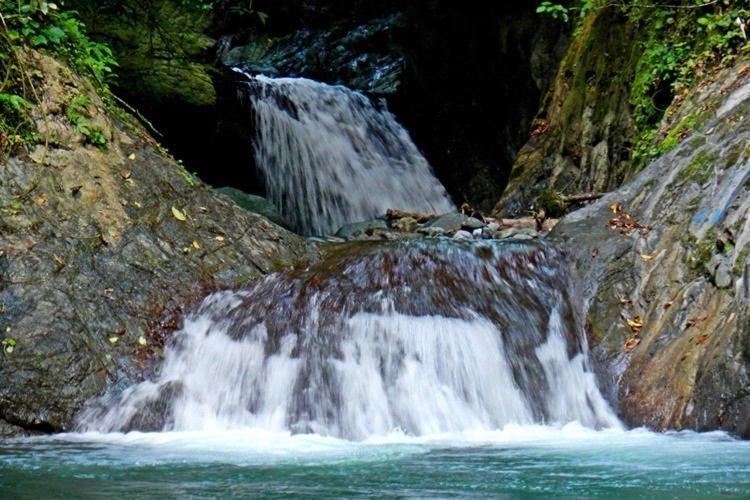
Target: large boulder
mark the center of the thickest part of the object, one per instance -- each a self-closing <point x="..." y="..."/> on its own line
<point x="255" y="204"/>
<point x="101" y="249"/>
<point x="664" y="267"/>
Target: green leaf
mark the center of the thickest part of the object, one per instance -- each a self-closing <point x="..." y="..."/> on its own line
<point x="9" y="345"/>
<point x="178" y="214"/>
<point x="55" y="34"/>
<point x="38" y="40"/>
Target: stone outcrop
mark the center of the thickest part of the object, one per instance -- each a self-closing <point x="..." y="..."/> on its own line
<point x="101" y="249"/>
<point x="663" y="261"/>
<point x="583" y="138"/>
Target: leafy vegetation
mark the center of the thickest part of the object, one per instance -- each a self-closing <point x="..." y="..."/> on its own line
<point x="44" y="26"/>
<point x="682" y="43"/>
<point x="77" y="112"/>
<point x="679" y="41"/>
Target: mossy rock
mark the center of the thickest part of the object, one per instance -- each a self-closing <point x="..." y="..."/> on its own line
<point x="255" y="204"/>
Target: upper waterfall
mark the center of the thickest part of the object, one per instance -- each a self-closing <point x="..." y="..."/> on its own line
<point x="329" y="157"/>
<point x="423" y="337"/>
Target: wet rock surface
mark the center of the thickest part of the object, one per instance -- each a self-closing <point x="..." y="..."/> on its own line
<point x="255" y="204"/>
<point x="664" y="265"/>
<point x="101" y="249"/>
<point x="398" y="225"/>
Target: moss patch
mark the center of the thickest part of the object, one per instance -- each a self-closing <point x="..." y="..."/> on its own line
<point x="699" y="170"/>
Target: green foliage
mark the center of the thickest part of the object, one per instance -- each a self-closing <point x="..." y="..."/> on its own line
<point x="77" y="113"/>
<point x="552" y="203"/>
<point x="44" y="26"/>
<point x="681" y="42"/>
<point x="554" y="10"/>
<point x="563" y="12"/>
<point x="9" y="345"/>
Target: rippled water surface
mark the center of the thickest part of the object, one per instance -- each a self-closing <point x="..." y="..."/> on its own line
<point x="516" y="461"/>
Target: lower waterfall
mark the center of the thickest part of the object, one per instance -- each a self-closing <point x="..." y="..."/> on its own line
<point x="420" y="337"/>
<point x="329" y="156"/>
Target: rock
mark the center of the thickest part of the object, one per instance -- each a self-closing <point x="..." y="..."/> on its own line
<point x="691" y="369"/>
<point x="255" y="204"/>
<point x="361" y="57"/>
<point x="493" y="227"/>
<point x="455" y="221"/>
<point x="477" y="234"/>
<point x="405" y="224"/>
<point x="431" y="232"/>
<point x="519" y="233"/>
<point x="723" y="276"/>
<point x="88" y="254"/>
<point x="584" y="141"/>
<point x="365" y="228"/>
<point x="462" y="235"/>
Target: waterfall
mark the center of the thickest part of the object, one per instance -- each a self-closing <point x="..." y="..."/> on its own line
<point x="329" y="157"/>
<point x="419" y="336"/>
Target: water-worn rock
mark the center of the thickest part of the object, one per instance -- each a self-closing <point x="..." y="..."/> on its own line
<point x="455" y="221"/>
<point x="361" y="57"/>
<point x="255" y="204"/>
<point x="679" y="266"/>
<point x="405" y="224"/>
<point x="100" y="252"/>
<point x="365" y="228"/>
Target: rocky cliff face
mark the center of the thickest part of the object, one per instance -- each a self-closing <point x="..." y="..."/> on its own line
<point x="583" y="138"/>
<point x="665" y="268"/>
<point x="101" y="248"/>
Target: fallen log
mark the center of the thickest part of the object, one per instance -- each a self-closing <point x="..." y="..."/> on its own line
<point x="421" y="217"/>
<point x="527" y="223"/>
<point x="582" y="197"/>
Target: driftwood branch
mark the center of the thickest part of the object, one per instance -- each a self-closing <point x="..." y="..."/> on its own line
<point x="580" y="198"/>
<point x="420" y="217"/>
<point x="528" y="222"/>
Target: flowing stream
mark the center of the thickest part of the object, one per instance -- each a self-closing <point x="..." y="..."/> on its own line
<point x="434" y="368"/>
<point x="330" y="157"/>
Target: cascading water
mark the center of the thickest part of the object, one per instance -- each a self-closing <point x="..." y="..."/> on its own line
<point x="419" y="336"/>
<point x="329" y="157"/>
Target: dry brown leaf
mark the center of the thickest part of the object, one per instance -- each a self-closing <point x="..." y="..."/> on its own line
<point x="631" y="343"/>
